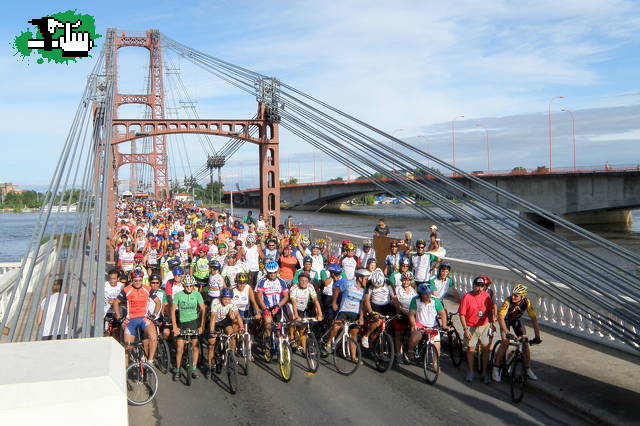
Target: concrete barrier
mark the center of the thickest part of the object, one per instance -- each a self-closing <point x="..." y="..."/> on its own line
<point x="70" y="382"/>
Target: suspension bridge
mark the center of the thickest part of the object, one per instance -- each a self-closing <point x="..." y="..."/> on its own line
<point x="74" y="249"/>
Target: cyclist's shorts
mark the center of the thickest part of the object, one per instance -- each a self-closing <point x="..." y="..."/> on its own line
<point x="280" y="316"/>
<point x="224" y="323"/>
<point x="134" y="324"/>
<point x="516" y="326"/>
<point x="347" y="316"/>
<point x="435" y="334"/>
<point x="383" y="309"/>
<point x="310" y="312"/>
<point x="189" y="325"/>
<point x="202" y="282"/>
<point x="400" y="324"/>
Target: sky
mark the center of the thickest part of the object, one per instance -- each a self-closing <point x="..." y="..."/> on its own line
<point x="406" y="67"/>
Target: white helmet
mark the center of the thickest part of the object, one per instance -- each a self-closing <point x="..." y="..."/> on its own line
<point x="363" y="273"/>
<point x="377" y="278"/>
<point x="251" y="238"/>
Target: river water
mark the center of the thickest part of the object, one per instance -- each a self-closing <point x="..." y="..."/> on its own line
<point x="16" y="230"/>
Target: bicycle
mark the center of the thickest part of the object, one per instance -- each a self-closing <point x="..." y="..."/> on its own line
<point x="426" y="351"/>
<point x="142" y="379"/>
<point x="477" y="361"/>
<point x="454" y="342"/>
<point x="312" y="351"/>
<point x="514" y="365"/>
<point x="244" y="344"/>
<point x="163" y="354"/>
<point x="346" y="349"/>
<point x="381" y="343"/>
<point x="277" y="343"/>
<point x="187" y="354"/>
<point x="225" y="357"/>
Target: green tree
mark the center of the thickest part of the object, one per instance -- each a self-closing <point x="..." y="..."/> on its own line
<point x="291" y="181"/>
<point x="336" y="179"/>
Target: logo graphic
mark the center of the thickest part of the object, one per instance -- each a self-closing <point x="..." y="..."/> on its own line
<point x="61" y="37"/>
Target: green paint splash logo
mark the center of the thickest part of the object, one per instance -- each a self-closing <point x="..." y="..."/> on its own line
<point x="60" y="38"/>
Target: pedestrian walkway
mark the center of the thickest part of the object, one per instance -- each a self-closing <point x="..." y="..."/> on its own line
<point x="599" y="381"/>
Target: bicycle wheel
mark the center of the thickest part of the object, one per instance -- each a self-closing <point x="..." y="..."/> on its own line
<point x="286" y="369"/>
<point x="217" y="357"/>
<point x="477" y="361"/>
<point x="142" y="383"/>
<point x="313" y="353"/>
<point x="162" y="356"/>
<point x="187" y="360"/>
<point x="244" y="352"/>
<point x="518" y="380"/>
<point x="455" y="348"/>
<point x="323" y="342"/>
<point x="345" y="361"/>
<point x="492" y="355"/>
<point x="232" y="371"/>
<point x="383" y="352"/>
<point x="431" y="364"/>
<point x="267" y="348"/>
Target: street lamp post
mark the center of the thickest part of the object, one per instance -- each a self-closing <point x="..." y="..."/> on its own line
<point x="573" y="131"/>
<point x="486" y="131"/>
<point x="453" y="139"/>
<point x="550" y="134"/>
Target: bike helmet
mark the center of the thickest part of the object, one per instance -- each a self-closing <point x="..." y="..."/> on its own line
<point x="173" y="263"/>
<point x="222" y="245"/>
<point x="346" y="242"/>
<point x="371" y="260"/>
<point x="305" y="241"/>
<point x="363" y="273"/>
<point x="520" y="290"/>
<point x="232" y="253"/>
<point x="481" y="281"/>
<point x="366" y="243"/>
<point x="154" y="277"/>
<point x="226" y="292"/>
<point x="137" y="273"/>
<point x="335" y="269"/>
<point x="425" y="289"/>
<point x="234" y="233"/>
<point x="320" y="242"/>
<point x="271" y="266"/>
<point x="194" y="234"/>
<point x="139" y="257"/>
<point x="251" y="238"/>
<point x="171" y="247"/>
<point x="407" y="276"/>
<point x="188" y="280"/>
<point x="405" y="261"/>
<point x="178" y="271"/>
<point x="333" y="260"/>
<point x="350" y="246"/>
<point x="242" y="278"/>
<point x="307" y="259"/>
<point x="377" y="278"/>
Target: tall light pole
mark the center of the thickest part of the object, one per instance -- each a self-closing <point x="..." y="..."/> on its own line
<point x="550" y="134"/>
<point x="573" y="131"/>
<point x="453" y="139"/>
<point x="486" y="132"/>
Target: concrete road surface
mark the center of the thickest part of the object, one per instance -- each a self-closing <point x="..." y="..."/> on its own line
<point x="397" y="397"/>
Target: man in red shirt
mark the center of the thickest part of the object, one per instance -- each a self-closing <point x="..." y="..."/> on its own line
<point x="476" y="316"/>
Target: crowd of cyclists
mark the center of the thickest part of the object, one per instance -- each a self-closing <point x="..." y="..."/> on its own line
<point x="183" y="267"/>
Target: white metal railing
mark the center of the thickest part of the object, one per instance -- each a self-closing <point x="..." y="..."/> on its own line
<point x="336" y="238"/>
<point x="8" y="266"/>
<point x="551" y="312"/>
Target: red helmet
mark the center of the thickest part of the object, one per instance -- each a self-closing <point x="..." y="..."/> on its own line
<point x="333" y="260"/>
<point x="204" y="248"/>
<point x="345" y="242"/>
<point x="138" y="256"/>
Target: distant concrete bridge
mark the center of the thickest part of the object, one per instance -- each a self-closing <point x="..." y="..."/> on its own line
<point x="584" y="196"/>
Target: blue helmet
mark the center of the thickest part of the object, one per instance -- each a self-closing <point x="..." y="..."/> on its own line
<point x="173" y="263"/>
<point x="226" y="292"/>
<point x="271" y="266"/>
<point x="425" y="289"/>
<point x="307" y="259"/>
<point x="335" y="269"/>
<point x="215" y="264"/>
<point x="178" y="271"/>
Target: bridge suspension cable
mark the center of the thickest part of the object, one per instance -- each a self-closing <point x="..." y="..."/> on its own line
<point x="535" y="253"/>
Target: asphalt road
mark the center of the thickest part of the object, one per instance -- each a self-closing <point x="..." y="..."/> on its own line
<point x="397" y="397"/>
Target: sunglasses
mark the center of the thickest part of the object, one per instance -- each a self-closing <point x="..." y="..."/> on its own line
<point x="188" y="285"/>
<point x="155" y="282"/>
<point x="420" y="246"/>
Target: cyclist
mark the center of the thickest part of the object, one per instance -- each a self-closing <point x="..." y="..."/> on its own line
<point x="233" y="268"/>
<point x="335" y="274"/>
<point x="244" y="297"/>
<point x="443" y="282"/>
<point x="421" y="263"/>
<point x="392" y="261"/>
<point x="136" y="296"/>
<point x="175" y="285"/>
<point x="367" y="252"/>
<point x="215" y="283"/>
<point x="168" y="262"/>
<point x="377" y="300"/>
<point x="349" y="262"/>
<point x="200" y="268"/>
<point x="304" y="303"/>
<point x="318" y="259"/>
<point x="424" y="311"/>
<point x="307" y="267"/>
<point x="188" y="303"/>
<point x="351" y="305"/>
<point x="112" y="289"/>
<point x="476" y="316"/>
<point x="126" y="258"/>
<point x="273" y="294"/>
<point x="163" y="315"/>
<point x="271" y="250"/>
<point x="509" y="317"/>
<point x="396" y="277"/>
<point x="225" y="318"/>
<point x="252" y="255"/>
<point x="403" y="295"/>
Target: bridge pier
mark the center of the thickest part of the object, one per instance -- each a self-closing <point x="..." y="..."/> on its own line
<point x="614" y="220"/>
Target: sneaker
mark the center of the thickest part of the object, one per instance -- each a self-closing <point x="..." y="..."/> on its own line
<point x="531" y="375"/>
<point x="405" y="359"/>
<point x="194" y="373"/>
<point x="207" y="371"/>
<point x="486" y="379"/>
<point x="176" y="375"/>
<point x="365" y="342"/>
<point x="396" y="359"/>
<point x="469" y="377"/>
<point x="496" y="374"/>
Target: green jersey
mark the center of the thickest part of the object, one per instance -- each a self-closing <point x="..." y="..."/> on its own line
<point x="201" y="268"/>
<point x="187" y="305"/>
<point x="315" y="277"/>
<point x="324" y="274"/>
